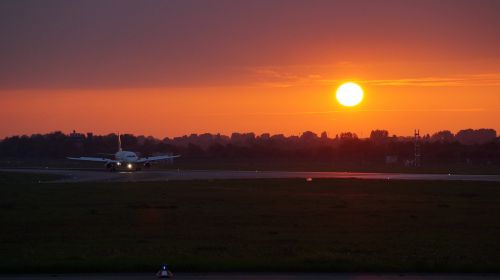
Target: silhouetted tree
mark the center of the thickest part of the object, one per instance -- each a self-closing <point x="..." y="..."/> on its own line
<point x="443" y="136"/>
<point x="472" y="146"/>
<point x="480" y="136"/>
<point x="379" y="136"/>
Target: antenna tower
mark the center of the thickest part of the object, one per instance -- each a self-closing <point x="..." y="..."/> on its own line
<point x="418" y="154"/>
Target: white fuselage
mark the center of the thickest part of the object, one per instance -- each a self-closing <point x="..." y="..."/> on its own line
<point x="126" y="157"/>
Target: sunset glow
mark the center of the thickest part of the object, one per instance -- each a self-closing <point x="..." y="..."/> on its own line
<point x="178" y="71"/>
<point x="349" y="94"/>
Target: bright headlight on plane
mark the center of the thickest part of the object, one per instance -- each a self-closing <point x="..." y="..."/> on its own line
<point x="129" y="166"/>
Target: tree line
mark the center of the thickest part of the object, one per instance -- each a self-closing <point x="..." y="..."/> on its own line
<point x="480" y="146"/>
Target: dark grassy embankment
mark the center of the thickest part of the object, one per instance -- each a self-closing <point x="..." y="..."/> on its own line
<point x="249" y="225"/>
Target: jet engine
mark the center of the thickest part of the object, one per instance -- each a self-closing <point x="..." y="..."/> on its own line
<point x="110" y="166"/>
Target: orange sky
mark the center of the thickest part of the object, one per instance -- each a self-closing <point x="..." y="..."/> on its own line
<point x="257" y="67"/>
<point x="290" y="109"/>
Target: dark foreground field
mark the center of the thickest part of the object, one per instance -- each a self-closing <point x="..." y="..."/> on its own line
<point x="249" y="225"/>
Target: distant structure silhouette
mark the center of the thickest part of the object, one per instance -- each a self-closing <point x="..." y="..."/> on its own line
<point x="77" y="139"/>
<point x="417" y="155"/>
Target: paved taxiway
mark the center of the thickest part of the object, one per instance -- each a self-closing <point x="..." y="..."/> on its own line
<point x="259" y="276"/>
<point x="80" y="175"/>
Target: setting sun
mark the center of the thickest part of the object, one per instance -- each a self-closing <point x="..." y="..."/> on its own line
<point x="349" y="94"/>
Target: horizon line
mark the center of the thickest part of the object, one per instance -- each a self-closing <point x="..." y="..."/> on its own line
<point x="248" y="132"/>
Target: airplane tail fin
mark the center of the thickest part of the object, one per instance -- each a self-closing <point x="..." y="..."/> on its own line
<point x="119" y="143"/>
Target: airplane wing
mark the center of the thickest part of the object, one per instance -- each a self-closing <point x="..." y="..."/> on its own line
<point x="94" y="159"/>
<point x="155" y="158"/>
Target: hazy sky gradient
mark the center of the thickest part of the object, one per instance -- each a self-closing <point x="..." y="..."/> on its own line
<point x="173" y="67"/>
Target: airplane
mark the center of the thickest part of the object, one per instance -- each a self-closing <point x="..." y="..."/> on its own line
<point x="129" y="160"/>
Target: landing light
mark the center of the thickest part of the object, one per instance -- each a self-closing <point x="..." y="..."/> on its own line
<point x="118" y="163"/>
<point x="129" y="166"/>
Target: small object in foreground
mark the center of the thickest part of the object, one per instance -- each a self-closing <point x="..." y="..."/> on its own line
<point x="309" y="179"/>
<point x="164" y="272"/>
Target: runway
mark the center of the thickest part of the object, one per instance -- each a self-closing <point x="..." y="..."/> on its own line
<point x="260" y="276"/>
<point x="81" y="175"/>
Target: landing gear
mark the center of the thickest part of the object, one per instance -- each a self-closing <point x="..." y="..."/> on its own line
<point x="111" y="167"/>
